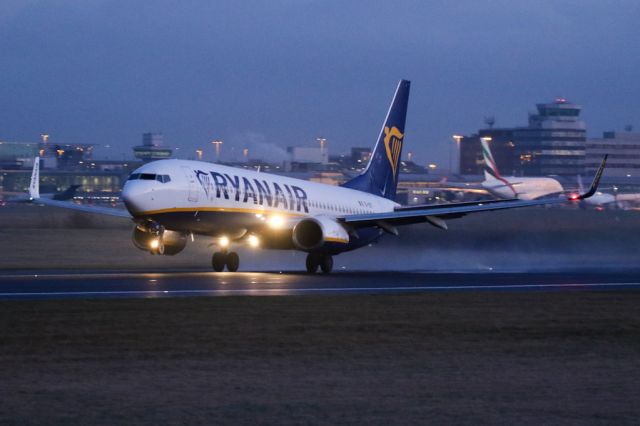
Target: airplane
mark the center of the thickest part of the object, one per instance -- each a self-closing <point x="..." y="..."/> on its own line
<point x="523" y="188"/>
<point x="610" y="200"/>
<point x="172" y="200"/>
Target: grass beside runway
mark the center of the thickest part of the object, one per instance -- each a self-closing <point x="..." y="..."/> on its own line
<point x="432" y="358"/>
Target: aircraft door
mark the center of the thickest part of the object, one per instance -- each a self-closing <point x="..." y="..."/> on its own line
<point x="191" y="181"/>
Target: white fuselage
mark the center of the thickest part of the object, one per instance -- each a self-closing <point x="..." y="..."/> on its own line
<point x="522" y="187"/>
<point x="600" y="199"/>
<point x="195" y="186"/>
<point x="619" y="200"/>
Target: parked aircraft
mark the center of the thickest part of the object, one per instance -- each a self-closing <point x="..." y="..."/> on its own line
<point x="170" y="201"/>
<point x="523" y="188"/>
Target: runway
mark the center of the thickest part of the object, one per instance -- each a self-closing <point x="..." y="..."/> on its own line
<point x="64" y="285"/>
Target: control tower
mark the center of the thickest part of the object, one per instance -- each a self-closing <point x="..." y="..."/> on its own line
<point x="151" y="148"/>
<point x="554" y="142"/>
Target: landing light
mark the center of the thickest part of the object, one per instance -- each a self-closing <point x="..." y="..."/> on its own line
<point x="154" y="243"/>
<point x="253" y="241"/>
<point x="276" y="221"/>
<point x="223" y="241"/>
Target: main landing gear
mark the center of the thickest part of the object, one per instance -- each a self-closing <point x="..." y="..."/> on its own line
<point x="315" y="260"/>
<point x="229" y="259"/>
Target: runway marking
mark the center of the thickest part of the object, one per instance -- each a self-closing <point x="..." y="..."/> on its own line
<point x="316" y="290"/>
<point x="116" y="274"/>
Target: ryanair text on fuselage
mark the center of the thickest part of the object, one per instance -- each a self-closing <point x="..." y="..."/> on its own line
<point x="263" y="192"/>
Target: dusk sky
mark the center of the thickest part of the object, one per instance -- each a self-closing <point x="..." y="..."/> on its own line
<point x="269" y="74"/>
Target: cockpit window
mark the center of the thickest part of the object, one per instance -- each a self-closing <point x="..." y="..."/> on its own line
<point x="150" y="176"/>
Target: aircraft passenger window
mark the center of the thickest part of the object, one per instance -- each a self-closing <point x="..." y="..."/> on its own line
<point x="147" y="176"/>
<point x="134" y="176"/>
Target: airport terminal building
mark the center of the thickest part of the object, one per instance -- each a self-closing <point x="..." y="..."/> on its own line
<point x="553" y="143"/>
<point x="624" y="154"/>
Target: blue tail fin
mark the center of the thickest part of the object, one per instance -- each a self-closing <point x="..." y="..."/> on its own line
<point x="381" y="175"/>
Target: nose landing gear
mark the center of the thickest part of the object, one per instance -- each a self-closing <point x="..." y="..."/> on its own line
<point x="323" y="261"/>
<point x="229" y="259"/>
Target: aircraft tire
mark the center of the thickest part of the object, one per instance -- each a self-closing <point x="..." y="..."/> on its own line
<point x="326" y="264"/>
<point x="217" y="261"/>
<point x="233" y="261"/>
<point x="313" y="261"/>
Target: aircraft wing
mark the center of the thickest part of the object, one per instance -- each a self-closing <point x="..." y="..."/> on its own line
<point x="34" y="197"/>
<point x="435" y="214"/>
<point x="109" y="211"/>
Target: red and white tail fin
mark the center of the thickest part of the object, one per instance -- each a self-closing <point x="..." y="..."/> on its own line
<point x="491" y="171"/>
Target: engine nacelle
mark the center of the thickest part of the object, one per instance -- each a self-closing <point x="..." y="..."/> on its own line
<point x="172" y="242"/>
<point x="313" y="233"/>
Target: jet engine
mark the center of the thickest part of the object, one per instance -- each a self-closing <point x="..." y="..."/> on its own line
<point x="167" y="242"/>
<point x="313" y="233"/>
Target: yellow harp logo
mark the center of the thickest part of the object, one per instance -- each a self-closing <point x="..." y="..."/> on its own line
<point x="393" y="145"/>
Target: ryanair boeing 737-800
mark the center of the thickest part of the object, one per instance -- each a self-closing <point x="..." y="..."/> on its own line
<point x="170" y="201"/>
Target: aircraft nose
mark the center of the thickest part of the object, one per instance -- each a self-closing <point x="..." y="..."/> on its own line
<point x="133" y="195"/>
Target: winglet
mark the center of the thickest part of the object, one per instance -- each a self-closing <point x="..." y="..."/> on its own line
<point x="596" y="180"/>
<point x="34" y="186"/>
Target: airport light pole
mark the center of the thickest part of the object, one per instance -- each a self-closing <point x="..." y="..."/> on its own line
<point x="217" y="143"/>
<point x="457" y="139"/>
<point x="321" y="141"/>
